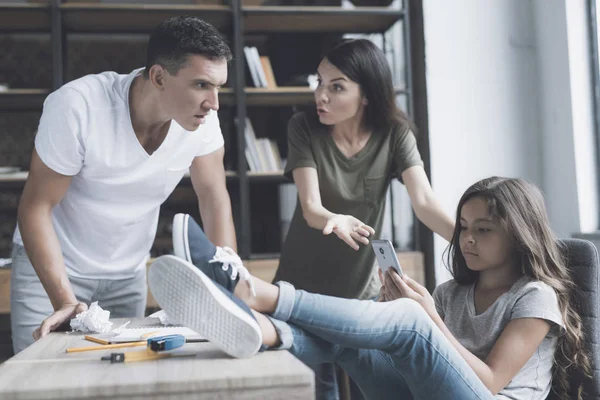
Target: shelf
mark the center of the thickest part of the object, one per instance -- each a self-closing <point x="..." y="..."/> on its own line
<point x="25" y="17"/>
<point x="319" y="19"/>
<point x="33" y="99"/>
<point x="137" y="18"/>
<point x="254" y="176"/>
<point x="284" y="96"/>
<point x="23" y="99"/>
<point x="264" y="256"/>
<point x="22" y="176"/>
<point x="267" y="176"/>
<point x="14" y="177"/>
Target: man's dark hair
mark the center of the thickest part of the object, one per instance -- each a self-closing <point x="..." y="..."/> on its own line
<point x="174" y="39"/>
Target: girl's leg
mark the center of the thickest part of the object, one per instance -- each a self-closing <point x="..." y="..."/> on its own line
<point x="372" y="370"/>
<point x="419" y="352"/>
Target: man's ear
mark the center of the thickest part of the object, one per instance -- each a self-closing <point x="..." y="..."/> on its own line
<point x="157" y="76"/>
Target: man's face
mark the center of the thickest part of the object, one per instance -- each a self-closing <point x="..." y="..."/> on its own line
<point x="192" y="93"/>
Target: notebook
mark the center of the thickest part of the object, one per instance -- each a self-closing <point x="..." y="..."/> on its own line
<point x="143" y="332"/>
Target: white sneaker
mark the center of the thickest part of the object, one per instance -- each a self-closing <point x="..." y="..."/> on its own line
<point x="190" y="297"/>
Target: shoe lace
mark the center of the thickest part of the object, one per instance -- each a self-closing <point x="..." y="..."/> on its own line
<point x="232" y="262"/>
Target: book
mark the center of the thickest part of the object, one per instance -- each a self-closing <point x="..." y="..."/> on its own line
<point x="268" y="70"/>
<point x="248" y="53"/>
<point x="252" y="149"/>
<point x="259" y="69"/>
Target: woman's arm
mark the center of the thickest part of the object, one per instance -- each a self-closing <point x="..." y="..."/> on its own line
<point x="517" y="343"/>
<point x="307" y="182"/>
<point x="346" y="227"/>
<point x="426" y="206"/>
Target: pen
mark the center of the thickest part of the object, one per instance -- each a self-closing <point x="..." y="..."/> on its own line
<point x="134" y="356"/>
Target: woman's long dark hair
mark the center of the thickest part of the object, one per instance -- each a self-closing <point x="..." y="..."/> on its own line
<point x="364" y="63"/>
<point x="520" y="208"/>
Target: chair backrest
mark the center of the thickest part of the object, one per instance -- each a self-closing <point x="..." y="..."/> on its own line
<point x="582" y="260"/>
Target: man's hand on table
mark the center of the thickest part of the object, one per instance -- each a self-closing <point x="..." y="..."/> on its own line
<point x="59" y="317"/>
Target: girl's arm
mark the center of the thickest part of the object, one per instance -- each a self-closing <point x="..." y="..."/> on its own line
<point x="517" y="343"/>
<point x="346" y="227"/>
<point x="426" y="206"/>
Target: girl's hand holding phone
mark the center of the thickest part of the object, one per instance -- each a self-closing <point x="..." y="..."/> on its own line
<point x="405" y="287"/>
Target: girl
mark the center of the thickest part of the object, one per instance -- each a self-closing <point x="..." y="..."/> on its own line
<point x="502" y="328"/>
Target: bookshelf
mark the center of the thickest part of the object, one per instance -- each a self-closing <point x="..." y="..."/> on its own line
<point x="25" y="17"/>
<point x="251" y="192"/>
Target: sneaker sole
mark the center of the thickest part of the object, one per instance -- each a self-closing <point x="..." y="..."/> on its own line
<point x="191" y="298"/>
<point x="181" y="247"/>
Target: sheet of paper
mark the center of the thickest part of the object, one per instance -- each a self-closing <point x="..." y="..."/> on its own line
<point x="135" y="334"/>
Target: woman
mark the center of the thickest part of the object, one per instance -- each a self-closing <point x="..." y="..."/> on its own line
<point x="342" y="158"/>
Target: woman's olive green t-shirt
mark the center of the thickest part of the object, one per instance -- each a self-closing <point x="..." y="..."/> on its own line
<point x="356" y="186"/>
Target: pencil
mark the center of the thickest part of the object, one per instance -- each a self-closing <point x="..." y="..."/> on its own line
<point x="108" y="341"/>
<point x="95" y="340"/>
<point x="106" y="347"/>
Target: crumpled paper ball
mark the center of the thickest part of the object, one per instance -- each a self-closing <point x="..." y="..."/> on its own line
<point x="95" y="319"/>
<point x="163" y="318"/>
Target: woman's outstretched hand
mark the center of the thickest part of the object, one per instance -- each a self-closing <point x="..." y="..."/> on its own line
<point x="351" y="230"/>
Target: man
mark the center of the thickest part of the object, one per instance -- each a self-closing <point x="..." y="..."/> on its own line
<point x="109" y="150"/>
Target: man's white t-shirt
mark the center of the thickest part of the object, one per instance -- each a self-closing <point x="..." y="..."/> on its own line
<point x="107" y="220"/>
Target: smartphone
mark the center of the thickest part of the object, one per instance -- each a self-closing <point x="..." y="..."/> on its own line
<point x="386" y="255"/>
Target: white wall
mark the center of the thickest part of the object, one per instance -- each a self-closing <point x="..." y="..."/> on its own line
<point x="482" y="96"/>
<point x="567" y="136"/>
<point x="509" y="93"/>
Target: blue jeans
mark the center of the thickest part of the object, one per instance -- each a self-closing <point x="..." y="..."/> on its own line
<point x="391" y="350"/>
<point x="326" y="384"/>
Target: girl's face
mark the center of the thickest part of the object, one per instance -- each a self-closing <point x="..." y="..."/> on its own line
<point x="485" y="245"/>
<point x="338" y="99"/>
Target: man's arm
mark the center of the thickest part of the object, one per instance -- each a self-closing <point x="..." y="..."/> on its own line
<point x="208" y="178"/>
<point x="43" y="190"/>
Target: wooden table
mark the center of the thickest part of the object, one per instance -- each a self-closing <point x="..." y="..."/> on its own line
<point x="45" y="371"/>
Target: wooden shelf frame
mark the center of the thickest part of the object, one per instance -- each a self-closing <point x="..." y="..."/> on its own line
<point x="33" y="99"/>
<point x="136" y="18"/>
<point x="264" y="19"/>
<point x="25" y="17"/>
<point x="23" y="99"/>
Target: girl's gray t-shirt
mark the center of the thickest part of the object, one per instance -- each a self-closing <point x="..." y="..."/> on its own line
<point x="527" y="298"/>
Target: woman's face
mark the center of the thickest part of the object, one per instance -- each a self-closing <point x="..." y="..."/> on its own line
<point x="338" y="99"/>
